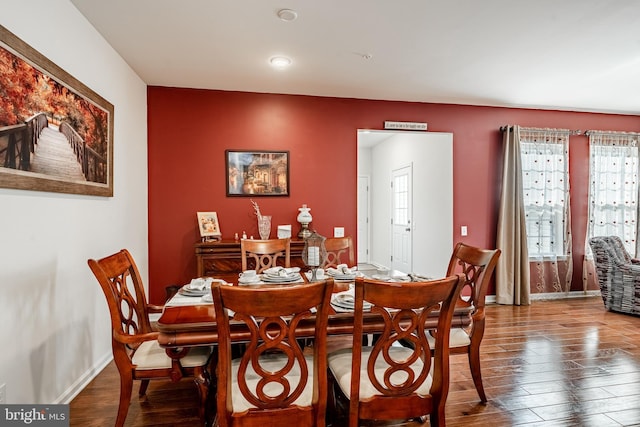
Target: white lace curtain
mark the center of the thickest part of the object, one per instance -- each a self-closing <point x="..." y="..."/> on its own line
<point x="545" y="181"/>
<point x="613" y="192"/>
<point x="613" y="187"/>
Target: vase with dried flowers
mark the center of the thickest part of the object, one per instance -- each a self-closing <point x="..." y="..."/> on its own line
<point x="264" y="222"/>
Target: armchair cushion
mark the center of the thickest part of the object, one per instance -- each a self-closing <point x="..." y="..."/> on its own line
<point x="340" y="366"/>
<point x="151" y="356"/>
<point x="457" y="338"/>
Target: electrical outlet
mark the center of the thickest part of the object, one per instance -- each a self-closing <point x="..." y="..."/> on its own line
<point x="338" y="231"/>
<point x="3" y="393"/>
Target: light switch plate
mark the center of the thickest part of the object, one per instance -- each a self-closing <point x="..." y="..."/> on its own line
<point x="338" y="231"/>
<point x="463" y="230"/>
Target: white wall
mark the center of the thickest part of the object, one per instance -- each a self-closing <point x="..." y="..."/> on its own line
<point x="431" y="154"/>
<point x="55" y="323"/>
<point x="364" y="161"/>
<point x="364" y="207"/>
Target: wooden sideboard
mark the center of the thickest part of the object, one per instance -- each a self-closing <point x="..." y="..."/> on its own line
<point x="223" y="257"/>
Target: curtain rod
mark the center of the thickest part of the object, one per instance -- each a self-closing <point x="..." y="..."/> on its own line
<point x="612" y="132"/>
<point x="570" y="131"/>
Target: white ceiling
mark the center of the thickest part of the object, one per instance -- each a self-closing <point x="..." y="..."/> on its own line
<point x="580" y="55"/>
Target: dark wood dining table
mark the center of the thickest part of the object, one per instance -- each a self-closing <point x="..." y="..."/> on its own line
<point x="194" y="324"/>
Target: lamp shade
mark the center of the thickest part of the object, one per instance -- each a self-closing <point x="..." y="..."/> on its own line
<point x="304" y="217"/>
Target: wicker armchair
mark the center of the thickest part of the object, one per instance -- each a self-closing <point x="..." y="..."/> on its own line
<point x="618" y="275"/>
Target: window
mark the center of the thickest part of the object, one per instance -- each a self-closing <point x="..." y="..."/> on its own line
<point x="401" y="199"/>
<point x="613" y="186"/>
<point x="545" y="181"/>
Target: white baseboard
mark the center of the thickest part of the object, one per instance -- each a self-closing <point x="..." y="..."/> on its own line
<point x="373" y="264"/>
<point x="70" y="393"/>
<point x="491" y="299"/>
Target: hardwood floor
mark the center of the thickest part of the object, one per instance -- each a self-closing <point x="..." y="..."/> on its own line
<point x="554" y="363"/>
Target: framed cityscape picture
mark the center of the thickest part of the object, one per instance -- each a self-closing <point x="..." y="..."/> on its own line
<point x="257" y="173"/>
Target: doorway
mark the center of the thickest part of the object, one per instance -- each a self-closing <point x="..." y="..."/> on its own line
<point x="429" y="242"/>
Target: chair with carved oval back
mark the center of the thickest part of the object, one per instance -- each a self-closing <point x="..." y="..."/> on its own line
<point x="339" y="251"/>
<point x="477" y="265"/>
<point x="136" y="352"/>
<point x="388" y="381"/>
<point x="275" y="382"/>
<point x="264" y="254"/>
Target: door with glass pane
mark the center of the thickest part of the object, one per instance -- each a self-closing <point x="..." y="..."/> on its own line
<point x="401" y="217"/>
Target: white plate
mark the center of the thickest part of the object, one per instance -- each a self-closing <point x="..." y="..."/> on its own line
<point x="346" y="299"/>
<point x="280" y="279"/>
<point x="344" y="304"/>
<point x="289" y="274"/>
<point x="348" y="309"/>
<point x="250" y="281"/>
<point x="339" y="309"/>
<point x="343" y="298"/>
<point x="344" y="277"/>
<point x="274" y="271"/>
<point x="193" y="292"/>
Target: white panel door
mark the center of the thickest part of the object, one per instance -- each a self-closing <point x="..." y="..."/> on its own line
<point x="401" y="197"/>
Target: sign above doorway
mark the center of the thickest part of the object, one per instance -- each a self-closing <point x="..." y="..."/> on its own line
<point x="405" y="125"/>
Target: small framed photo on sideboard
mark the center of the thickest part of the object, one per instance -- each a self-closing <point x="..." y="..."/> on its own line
<point x="209" y="226"/>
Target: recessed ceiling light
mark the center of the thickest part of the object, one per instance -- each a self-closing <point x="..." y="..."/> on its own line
<point x="280" y="61"/>
<point x="287" y="15"/>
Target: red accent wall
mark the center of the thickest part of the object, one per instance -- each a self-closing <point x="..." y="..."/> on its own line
<point x="190" y="129"/>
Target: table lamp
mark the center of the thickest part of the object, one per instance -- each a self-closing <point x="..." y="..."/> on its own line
<point x="304" y="218"/>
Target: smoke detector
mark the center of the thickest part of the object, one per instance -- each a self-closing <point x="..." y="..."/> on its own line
<point x="287" y="15"/>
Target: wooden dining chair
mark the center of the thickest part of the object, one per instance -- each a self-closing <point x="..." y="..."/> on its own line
<point x="477" y="265"/>
<point x="273" y="383"/>
<point x="136" y="352"/>
<point x="388" y="381"/>
<point x="264" y="254"/>
<point x="339" y="251"/>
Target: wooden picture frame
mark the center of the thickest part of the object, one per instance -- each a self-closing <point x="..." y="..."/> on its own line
<point x="56" y="134"/>
<point x="209" y="226"/>
<point x="257" y="173"/>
